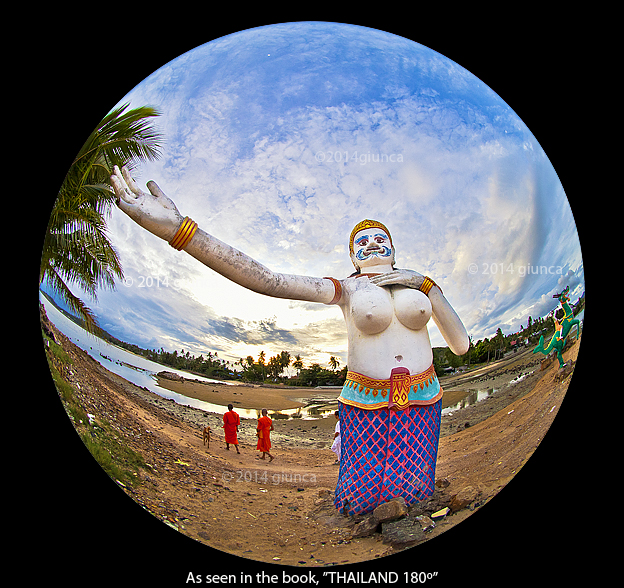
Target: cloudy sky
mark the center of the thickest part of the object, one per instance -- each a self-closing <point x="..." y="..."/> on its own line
<point x="278" y="140"/>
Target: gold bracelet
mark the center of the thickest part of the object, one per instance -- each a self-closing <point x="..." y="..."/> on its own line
<point x="184" y="234"/>
<point x="426" y="286"/>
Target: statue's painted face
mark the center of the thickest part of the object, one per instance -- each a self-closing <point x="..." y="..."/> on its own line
<point x="372" y="245"/>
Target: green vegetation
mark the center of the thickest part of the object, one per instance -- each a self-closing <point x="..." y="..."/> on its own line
<point x="117" y="460"/>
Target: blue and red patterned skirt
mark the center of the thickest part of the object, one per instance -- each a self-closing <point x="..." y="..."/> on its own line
<point x="391" y="450"/>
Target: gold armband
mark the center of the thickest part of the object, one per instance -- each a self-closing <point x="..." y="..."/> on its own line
<point x="184" y="234"/>
<point x="337" y="290"/>
<point x="427" y="284"/>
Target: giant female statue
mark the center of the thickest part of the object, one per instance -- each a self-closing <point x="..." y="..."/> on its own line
<point x="390" y="404"/>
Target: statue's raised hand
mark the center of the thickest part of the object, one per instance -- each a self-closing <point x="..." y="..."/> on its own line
<point x="155" y="211"/>
<point x="401" y="277"/>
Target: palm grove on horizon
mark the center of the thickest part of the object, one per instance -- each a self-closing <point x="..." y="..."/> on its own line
<point x="77" y="251"/>
<point x="249" y="370"/>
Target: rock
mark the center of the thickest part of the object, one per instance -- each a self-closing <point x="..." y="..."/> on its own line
<point x="442" y="483"/>
<point x="365" y="528"/>
<point x="565" y="371"/>
<point x="425" y="522"/>
<point x="389" y="511"/>
<point x="402" y="533"/>
<point x="464" y="497"/>
<point x="170" y="376"/>
<point x="437" y="501"/>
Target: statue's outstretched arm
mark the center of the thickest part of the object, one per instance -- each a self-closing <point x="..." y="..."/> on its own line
<point x="157" y="213"/>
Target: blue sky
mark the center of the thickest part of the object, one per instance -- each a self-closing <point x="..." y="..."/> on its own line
<point x="279" y="139"/>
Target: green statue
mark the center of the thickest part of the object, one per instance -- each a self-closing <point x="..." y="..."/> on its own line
<point x="562" y="329"/>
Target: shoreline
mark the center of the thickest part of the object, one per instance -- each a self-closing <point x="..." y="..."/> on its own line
<point x="293" y="431"/>
<point x="249" y="397"/>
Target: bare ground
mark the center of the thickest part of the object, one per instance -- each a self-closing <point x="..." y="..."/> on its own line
<point x="265" y="512"/>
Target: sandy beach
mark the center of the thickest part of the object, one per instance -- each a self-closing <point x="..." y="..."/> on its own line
<point x="255" y="397"/>
<point x="222" y="499"/>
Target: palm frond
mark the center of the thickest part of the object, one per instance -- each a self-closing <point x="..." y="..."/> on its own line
<point x="77" y="306"/>
<point x="76" y="247"/>
<point x="122" y="137"/>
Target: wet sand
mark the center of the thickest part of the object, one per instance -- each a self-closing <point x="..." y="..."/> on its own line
<point x="241" y="395"/>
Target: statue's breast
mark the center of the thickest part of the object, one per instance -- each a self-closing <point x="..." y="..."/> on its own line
<point x="412" y="307"/>
<point x="371" y="309"/>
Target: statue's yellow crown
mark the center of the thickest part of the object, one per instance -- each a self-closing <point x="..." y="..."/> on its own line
<point x="367" y="224"/>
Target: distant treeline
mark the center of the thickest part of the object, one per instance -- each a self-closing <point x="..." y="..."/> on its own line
<point x="272" y="370"/>
<point x="486" y="350"/>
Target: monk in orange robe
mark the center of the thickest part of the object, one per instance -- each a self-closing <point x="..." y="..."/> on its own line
<point x="265" y="426"/>
<point x="231" y="421"/>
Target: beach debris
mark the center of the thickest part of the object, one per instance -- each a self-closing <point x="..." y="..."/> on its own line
<point x="425" y="522"/>
<point x="180" y="462"/>
<point x="171" y="523"/>
<point x="441" y="513"/>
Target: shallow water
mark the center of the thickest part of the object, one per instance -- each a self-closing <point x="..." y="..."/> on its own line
<point x="142" y="372"/>
<point x="472" y="397"/>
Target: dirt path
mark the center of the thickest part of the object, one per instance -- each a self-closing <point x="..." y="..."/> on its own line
<point x="264" y="511"/>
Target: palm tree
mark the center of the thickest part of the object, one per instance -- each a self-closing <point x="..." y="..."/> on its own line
<point x="261" y="360"/>
<point x="298" y="364"/>
<point x="333" y="363"/>
<point x="76" y="248"/>
<point x="284" y="360"/>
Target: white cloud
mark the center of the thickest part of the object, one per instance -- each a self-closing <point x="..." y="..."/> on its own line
<point x="242" y="159"/>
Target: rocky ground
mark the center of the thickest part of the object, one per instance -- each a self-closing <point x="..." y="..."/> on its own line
<point x="282" y="512"/>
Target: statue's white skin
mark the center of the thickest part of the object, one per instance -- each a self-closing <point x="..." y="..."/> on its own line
<point x="386" y="314"/>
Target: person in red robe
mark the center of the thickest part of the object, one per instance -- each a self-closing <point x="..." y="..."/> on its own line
<point x="265" y="426"/>
<point x="231" y="421"/>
